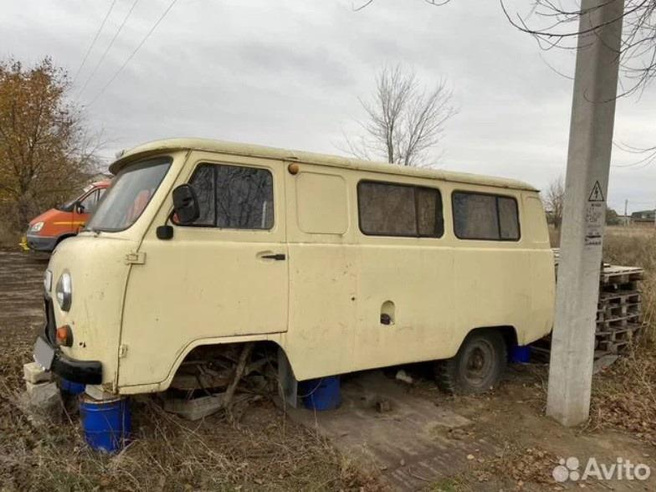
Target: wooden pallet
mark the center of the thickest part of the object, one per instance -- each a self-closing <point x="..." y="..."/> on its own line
<point x="625" y="333"/>
<point x="617" y="322"/>
<point x="620" y="275"/>
<point x="611" y="288"/>
<point x="615" y="311"/>
<point x="618" y="296"/>
<point x="619" y="311"/>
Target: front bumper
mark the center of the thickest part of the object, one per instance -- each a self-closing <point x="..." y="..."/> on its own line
<point x="77" y="371"/>
<point x="41" y="243"/>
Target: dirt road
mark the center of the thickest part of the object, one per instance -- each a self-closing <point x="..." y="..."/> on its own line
<point x="21" y="294"/>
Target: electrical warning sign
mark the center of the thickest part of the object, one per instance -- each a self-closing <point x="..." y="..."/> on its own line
<point x="595" y="214"/>
<point x="596" y="195"/>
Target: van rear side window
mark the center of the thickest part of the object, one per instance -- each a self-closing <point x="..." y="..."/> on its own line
<point x="233" y="197"/>
<point x="485" y="216"/>
<point x="388" y="209"/>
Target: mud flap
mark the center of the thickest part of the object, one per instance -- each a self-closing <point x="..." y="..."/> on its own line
<point x="288" y="386"/>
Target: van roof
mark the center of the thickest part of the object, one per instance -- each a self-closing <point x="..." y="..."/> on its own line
<point x="231" y="148"/>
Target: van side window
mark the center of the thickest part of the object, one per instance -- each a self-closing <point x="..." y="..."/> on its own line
<point x="508" y="218"/>
<point x="233" y="197"/>
<point x="90" y="202"/>
<point x="485" y="216"/>
<point x="387" y="209"/>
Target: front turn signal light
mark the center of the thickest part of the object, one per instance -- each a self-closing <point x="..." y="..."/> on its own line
<point x="64" y="336"/>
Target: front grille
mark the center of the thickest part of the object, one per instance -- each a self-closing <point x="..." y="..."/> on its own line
<point x="50" y="329"/>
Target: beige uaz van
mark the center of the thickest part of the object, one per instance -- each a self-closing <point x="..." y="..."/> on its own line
<point x="340" y="265"/>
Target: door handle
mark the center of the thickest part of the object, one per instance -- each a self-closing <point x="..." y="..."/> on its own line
<point x="276" y="256"/>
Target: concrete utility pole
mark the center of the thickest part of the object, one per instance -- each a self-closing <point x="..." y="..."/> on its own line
<point x="588" y="163"/>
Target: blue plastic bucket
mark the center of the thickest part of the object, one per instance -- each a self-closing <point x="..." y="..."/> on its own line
<point x="520" y="354"/>
<point x="321" y="394"/>
<point x="107" y="424"/>
<point x="71" y="387"/>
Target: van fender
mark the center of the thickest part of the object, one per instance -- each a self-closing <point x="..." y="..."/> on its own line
<point x="508" y="332"/>
<point x="186" y="350"/>
<point x="62" y="237"/>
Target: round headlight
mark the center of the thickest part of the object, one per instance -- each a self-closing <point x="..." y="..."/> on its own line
<point x="64" y="291"/>
<point x="36" y="227"/>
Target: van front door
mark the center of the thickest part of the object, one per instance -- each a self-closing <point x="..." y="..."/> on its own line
<point x="222" y="277"/>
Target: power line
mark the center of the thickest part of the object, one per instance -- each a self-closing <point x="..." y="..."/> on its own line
<point x="125" y="63"/>
<point x="109" y="46"/>
<point x="95" y="38"/>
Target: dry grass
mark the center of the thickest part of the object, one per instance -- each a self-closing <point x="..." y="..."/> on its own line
<point x="167" y="453"/>
<point x="8" y="239"/>
<point x="637" y="247"/>
<point x="521" y="465"/>
<point x="625" y="396"/>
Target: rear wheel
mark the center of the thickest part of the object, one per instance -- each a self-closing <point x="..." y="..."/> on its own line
<point x="477" y="367"/>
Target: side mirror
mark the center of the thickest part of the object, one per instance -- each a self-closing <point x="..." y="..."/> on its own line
<point x="185" y="204"/>
<point x="78" y="207"/>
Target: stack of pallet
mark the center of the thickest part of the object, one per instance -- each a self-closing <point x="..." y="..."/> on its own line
<point x="619" y="314"/>
<point x="619" y="310"/>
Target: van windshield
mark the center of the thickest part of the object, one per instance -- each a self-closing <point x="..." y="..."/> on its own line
<point x="129" y="194"/>
<point x="68" y="206"/>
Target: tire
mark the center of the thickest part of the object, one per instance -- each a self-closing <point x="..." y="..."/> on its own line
<point x="476" y="368"/>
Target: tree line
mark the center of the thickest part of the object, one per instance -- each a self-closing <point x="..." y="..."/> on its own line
<point x="46" y="152"/>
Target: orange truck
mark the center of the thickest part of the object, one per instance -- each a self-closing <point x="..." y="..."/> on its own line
<point x="47" y="230"/>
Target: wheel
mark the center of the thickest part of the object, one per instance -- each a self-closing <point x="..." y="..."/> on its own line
<point x="476" y="368"/>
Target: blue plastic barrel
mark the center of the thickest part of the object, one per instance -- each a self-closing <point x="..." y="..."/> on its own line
<point x="520" y="354"/>
<point x="107" y="424"/>
<point x="71" y="387"/>
<point x="321" y="394"/>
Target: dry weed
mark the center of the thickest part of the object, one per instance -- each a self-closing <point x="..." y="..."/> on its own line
<point x="521" y="465"/>
<point x="167" y="453"/>
<point x="625" y="396"/>
<point x="626" y="247"/>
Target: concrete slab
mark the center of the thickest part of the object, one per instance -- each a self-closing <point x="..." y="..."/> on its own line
<point x="98" y="393"/>
<point x="42" y="402"/>
<point x="35" y="374"/>
<point x="41" y="393"/>
<point x="603" y="362"/>
<point x="410" y="440"/>
<point x="195" y="409"/>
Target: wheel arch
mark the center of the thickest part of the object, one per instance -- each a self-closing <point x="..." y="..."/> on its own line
<point x="209" y="343"/>
<point x="64" y="236"/>
<point x="508" y="332"/>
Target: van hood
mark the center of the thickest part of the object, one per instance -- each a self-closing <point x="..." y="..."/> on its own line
<point x="46" y="216"/>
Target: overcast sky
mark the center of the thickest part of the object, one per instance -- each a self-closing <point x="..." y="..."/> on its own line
<point x="288" y="73"/>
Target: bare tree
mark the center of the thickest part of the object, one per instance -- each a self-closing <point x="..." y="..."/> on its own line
<point x="365" y="3"/>
<point x="554" y="198"/>
<point x="404" y="119"/>
<point x="554" y="25"/>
